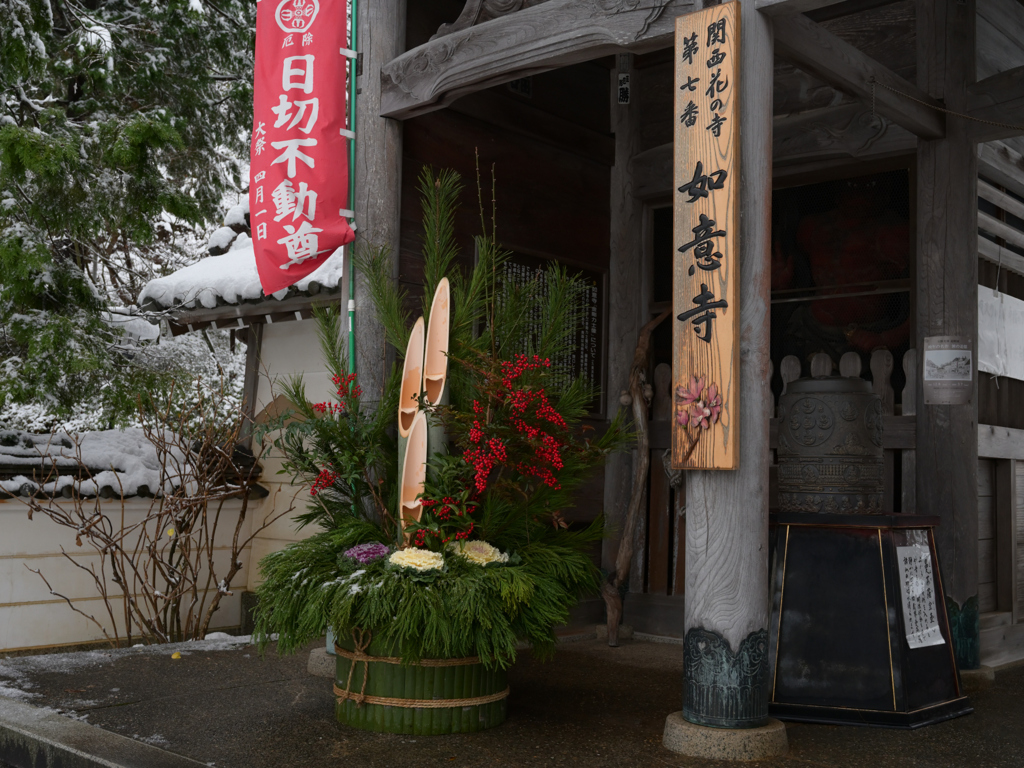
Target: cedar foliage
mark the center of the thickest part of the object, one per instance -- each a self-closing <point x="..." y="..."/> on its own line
<point x="463" y="609"/>
<point x="121" y="126"/>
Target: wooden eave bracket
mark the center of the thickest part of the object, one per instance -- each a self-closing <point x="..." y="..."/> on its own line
<point x="999" y="99"/>
<point x="818" y="52"/>
<point x="553" y="34"/>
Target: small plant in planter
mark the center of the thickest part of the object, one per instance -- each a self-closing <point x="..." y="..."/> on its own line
<point x="428" y="605"/>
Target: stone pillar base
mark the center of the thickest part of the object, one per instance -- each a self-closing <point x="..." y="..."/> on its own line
<point x="321" y="663"/>
<point x="724" y="743"/>
<point x="977" y="679"/>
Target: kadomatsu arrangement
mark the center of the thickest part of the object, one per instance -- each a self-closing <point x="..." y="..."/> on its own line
<point x="443" y="538"/>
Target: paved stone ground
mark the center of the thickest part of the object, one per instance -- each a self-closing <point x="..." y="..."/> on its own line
<point x="591" y="706"/>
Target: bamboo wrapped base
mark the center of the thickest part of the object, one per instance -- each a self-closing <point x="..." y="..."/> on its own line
<point x="389" y="701"/>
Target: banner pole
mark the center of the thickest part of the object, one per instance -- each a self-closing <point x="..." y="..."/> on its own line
<point x="353" y="68"/>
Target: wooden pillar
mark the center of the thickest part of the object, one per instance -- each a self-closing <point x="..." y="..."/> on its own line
<point x="727" y="601"/>
<point x="378" y="175"/>
<point x="947" y="304"/>
<point x="627" y="295"/>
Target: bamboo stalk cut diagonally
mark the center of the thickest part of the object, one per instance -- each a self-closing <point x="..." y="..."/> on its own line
<point x="435" y="366"/>
<point x="414" y="472"/>
<point x="412" y="373"/>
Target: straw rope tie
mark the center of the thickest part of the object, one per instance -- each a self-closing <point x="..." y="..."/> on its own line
<point x="357" y="656"/>
<point x="361" y="640"/>
<point x="361" y="699"/>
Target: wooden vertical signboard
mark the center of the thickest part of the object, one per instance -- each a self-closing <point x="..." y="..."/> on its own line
<point x="706" y="331"/>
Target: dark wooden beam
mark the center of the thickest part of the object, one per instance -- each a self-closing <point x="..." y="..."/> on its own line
<point x="553" y="34"/>
<point x="947" y="305"/>
<point x="523" y="118"/>
<point x="842" y="133"/>
<point x="786" y="7"/>
<point x="999" y="99"/>
<point x="378" y="183"/>
<point x="818" y="52"/>
<point x="1000" y="36"/>
<point x="847" y="8"/>
<point x="239" y="315"/>
<point x="251" y="381"/>
<point x="628" y="292"/>
<point x="819" y="10"/>
<point x="845" y="131"/>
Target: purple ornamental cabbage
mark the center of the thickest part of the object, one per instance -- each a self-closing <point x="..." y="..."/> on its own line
<point x="367" y="553"/>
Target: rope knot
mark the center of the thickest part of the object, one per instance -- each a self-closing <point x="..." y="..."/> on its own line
<point x="361" y="641"/>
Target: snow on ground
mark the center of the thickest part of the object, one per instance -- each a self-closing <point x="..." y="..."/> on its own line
<point x="156" y="740"/>
<point x="231" y="277"/>
<point x="15" y="672"/>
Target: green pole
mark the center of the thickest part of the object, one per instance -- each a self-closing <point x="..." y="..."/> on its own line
<point x="353" y="67"/>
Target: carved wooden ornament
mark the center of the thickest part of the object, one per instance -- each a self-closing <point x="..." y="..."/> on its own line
<point x="706" y="323"/>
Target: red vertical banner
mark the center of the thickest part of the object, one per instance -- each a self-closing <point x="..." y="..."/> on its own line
<point x="298" y="173"/>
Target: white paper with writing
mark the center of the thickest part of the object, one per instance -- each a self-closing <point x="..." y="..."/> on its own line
<point x="917" y="588"/>
<point x="1000" y="334"/>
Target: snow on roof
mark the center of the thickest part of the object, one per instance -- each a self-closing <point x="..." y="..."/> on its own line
<point x="235" y="217"/>
<point x="120" y="462"/>
<point x="135" y="328"/>
<point x="113" y="463"/>
<point x="222" y="239"/>
<point x="229" y="279"/>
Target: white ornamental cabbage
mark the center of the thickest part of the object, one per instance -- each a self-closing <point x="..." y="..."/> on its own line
<point x="418" y="559"/>
<point x="479" y="552"/>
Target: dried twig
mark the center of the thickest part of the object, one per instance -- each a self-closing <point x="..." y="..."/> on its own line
<point x="163" y="568"/>
<point x="637" y="378"/>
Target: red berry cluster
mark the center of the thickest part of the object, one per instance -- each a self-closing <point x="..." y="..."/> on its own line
<point x="325" y="479"/>
<point x="419" y="538"/>
<point x="346" y="392"/>
<point x="533" y="404"/>
<point x="484" y="457"/>
<point x="447" y="506"/>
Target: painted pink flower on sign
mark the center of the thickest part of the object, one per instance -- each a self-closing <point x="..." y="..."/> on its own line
<point x="690" y="394"/>
<point x="697" y="406"/>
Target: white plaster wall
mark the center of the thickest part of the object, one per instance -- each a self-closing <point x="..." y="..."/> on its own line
<point x="31" y="617"/>
<point x="288" y="349"/>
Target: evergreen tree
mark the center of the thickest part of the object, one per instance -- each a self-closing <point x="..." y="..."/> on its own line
<point x="120" y="121"/>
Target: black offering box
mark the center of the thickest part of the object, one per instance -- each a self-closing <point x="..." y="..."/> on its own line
<point x="838" y="640"/>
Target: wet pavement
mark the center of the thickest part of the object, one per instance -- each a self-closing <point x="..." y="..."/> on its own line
<point x="224" y="705"/>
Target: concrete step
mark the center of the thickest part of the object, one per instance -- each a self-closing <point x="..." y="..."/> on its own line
<point x="31" y="737"/>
